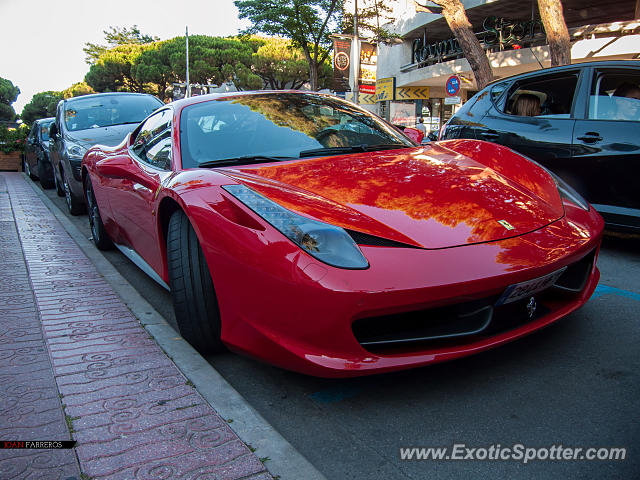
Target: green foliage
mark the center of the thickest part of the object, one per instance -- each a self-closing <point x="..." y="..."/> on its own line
<point x="8" y="94"/>
<point x="12" y="139"/>
<point x="77" y="90"/>
<point x="371" y="14"/>
<point x="308" y="23"/>
<point x="112" y="71"/>
<point x="116" y="36"/>
<point x="211" y="60"/>
<point x="42" y="105"/>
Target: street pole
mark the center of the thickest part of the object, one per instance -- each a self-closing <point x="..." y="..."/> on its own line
<point x="187" y="90"/>
<point x="355" y="56"/>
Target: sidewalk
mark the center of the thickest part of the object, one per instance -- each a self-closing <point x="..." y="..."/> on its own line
<point x="75" y="363"/>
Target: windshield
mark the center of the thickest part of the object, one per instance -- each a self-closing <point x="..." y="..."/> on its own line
<point x="108" y="110"/>
<point x="278" y="125"/>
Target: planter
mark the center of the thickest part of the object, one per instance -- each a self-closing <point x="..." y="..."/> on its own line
<point x="11" y="161"/>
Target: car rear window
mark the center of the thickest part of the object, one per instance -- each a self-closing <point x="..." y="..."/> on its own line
<point x="104" y="111"/>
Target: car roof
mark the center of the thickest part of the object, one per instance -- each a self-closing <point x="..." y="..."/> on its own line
<point x="107" y="94"/>
<point x="544" y="71"/>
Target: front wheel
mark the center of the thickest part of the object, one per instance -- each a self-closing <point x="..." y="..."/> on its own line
<point x="100" y="237"/>
<point x="194" y="299"/>
<point x="75" y="206"/>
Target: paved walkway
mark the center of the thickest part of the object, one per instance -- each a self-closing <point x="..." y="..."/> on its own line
<point x="76" y="364"/>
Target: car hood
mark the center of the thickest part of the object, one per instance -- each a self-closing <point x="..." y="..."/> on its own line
<point x="430" y="197"/>
<point x="108" y="136"/>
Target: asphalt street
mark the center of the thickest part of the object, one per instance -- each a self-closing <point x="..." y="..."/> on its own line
<point x="575" y="384"/>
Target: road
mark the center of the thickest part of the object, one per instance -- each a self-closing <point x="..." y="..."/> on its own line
<point x="574" y="384"/>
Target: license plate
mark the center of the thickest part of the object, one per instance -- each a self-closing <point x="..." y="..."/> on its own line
<point x="522" y="290"/>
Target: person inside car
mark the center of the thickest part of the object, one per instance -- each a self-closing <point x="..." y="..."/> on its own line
<point x="627" y="101"/>
<point x="527" y="105"/>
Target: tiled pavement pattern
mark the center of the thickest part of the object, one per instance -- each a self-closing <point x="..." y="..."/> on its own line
<point x="133" y="413"/>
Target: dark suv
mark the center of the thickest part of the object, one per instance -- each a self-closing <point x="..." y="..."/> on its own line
<point x="580" y="121"/>
<point x="36" y="161"/>
<point x="83" y="122"/>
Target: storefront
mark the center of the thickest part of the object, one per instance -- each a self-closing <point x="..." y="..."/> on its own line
<point x="426" y="55"/>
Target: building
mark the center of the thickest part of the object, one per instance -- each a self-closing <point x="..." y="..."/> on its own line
<point x="413" y="70"/>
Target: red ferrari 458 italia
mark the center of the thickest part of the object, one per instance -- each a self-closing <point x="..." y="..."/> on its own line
<point x="300" y="229"/>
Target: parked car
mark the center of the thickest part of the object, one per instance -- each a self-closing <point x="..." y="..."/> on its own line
<point x="82" y="122"/>
<point x="338" y="252"/>
<point x="36" y="153"/>
<point x="580" y="121"/>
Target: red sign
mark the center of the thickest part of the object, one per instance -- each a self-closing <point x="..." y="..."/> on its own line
<point x="453" y="85"/>
<point x="368" y="89"/>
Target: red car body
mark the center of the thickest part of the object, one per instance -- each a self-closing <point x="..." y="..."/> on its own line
<point x="441" y="226"/>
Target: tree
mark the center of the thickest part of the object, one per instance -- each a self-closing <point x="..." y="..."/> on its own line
<point x="112" y="71"/>
<point x="308" y="23"/>
<point x="42" y="105"/>
<point x="557" y="34"/>
<point x="77" y="90"/>
<point x="116" y="36"/>
<point x="280" y="65"/>
<point x="456" y="17"/>
<point x="8" y="94"/>
<point x="371" y="13"/>
<point x="211" y="60"/>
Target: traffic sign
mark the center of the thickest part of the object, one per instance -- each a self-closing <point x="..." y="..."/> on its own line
<point x="453" y="85"/>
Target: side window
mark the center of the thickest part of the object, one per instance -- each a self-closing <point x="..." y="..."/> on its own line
<point x="152" y="144"/>
<point x="615" y="95"/>
<point x="549" y="96"/>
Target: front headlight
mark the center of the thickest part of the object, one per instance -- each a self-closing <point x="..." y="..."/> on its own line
<point x="567" y="192"/>
<point x="327" y="243"/>
<point x="75" y="152"/>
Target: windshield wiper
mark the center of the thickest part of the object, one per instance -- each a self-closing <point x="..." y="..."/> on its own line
<point x="246" y="160"/>
<point x="351" y="149"/>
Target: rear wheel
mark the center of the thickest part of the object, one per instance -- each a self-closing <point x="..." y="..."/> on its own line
<point x="194" y="299"/>
<point x="100" y="237"/>
<point x="59" y="189"/>
<point x="45" y="172"/>
<point x="75" y="206"/>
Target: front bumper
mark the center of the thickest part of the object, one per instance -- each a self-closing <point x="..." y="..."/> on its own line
<point x="287" y="309"/>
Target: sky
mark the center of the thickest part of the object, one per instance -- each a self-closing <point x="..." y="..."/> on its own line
<point x="41" y="41"/>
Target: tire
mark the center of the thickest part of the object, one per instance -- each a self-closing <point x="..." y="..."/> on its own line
<point x="27" y="170"/>
<point x="59" y="189"/>
<point x="75" y="206"/>
<point x="98" y="232"/>
<point x="45" y="172"/>
<point x="194" y="298"/>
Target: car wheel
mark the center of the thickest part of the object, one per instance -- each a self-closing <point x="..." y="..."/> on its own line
<point x="27" y="170"/>
<point x="73" y="204"/>
<point x="59" y="189"/>
<point x="45" y="172"/>
<point x="100" y="237"/>
<point x="194" y="299"/>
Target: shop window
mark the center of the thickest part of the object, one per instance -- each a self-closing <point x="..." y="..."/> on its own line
<point x="615" y="95"/>
<point x="550" y="96"/>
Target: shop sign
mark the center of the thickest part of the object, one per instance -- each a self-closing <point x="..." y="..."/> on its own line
<point x="370" y="89"/>
<point x="385" y="89"/>
<point x="368" y="62"/>
<point x="497" y="31"/>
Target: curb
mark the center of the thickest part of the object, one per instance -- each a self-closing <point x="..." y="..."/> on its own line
<point x="285" y="462"/>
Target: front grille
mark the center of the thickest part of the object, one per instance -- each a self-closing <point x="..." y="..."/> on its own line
<point x="464" y="322"/>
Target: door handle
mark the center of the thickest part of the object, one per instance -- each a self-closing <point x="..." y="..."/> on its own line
<point x="590" y="137"/>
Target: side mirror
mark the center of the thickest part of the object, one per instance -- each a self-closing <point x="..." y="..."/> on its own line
<point x="414" y="134"/>
<point x="53" y="130"/>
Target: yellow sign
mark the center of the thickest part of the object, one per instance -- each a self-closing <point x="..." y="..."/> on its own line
<point x="385" y="89"/>
<point x="367" y="99"/>
<point x="412" y="93"/>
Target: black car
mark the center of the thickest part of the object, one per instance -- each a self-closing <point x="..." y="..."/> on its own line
<point x="580" y="121"/>
<point x="35" y="159"/>
<point x="82" y="122"/>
